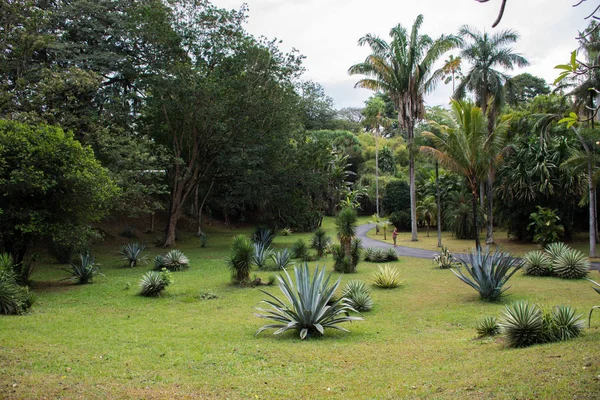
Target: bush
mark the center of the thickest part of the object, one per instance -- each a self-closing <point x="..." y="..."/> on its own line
<point x="300" y="250"/>
<point x="320" y="241"/>
<point x="286" y="232"/>
<point x="386" y="277"/>
<point x="537" y="263"/>
<point x="488" y="326"/>
<point x="174" y="260"/>
<point x="128" y="232"/>
<point x="82" y="272"/>
<point x="132" y="253"/>
<point x="571" y="264"/>
<point x="341" y="262"/>
<point x="488" y="272"/>
<point x="14" y="299"/>
<point x="567" y="325"/>
<point x="282" y="259"/>
<point x="390" y="255"/>
<point x="545" y="226"/>
<point x="358" y="295"/>
<point x="373" y="254"/>
<point x="240" y="258"/>
<point x="400" y="220"/>
<point x="445" y="259"/>
<point x="154" y="282"/>
<point x="309" y="312"/>
<point x="396" y="197"/>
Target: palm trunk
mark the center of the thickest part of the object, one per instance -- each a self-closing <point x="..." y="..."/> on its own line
<point x="475" y="223"/>
<point x="377" y="172"/>
<point x="591" y="189"/>
<point x="413" y="194"/>
<point x="489" y="238"/>
<point x="439" y="203"/>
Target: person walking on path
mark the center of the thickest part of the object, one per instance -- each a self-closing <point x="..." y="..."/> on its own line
<point x="395" y="235"/>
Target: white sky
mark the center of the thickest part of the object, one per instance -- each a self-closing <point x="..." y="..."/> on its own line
<point x="327" y="31"/>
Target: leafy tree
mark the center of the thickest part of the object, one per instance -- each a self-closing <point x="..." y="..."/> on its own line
<point x="51" y="187"/>
<point x="404" y="69"/>
<point x="452" y="70"/>
<point x="396" y="196"/>
<point x="523" y="88"/>
<point x="486" y="53"/>
<point x="427" y="210"/>
<point x="317" y="108"/>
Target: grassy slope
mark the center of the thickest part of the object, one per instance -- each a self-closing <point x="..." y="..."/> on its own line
<point x="104" y="341"/>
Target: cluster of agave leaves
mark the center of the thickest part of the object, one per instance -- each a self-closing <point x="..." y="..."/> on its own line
<point x="313" y="308"/>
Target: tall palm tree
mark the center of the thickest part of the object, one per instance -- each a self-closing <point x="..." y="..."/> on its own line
<point x="427" y="209"/>
<point x="452" y="70"/>
<point x="345" y="222"/>
<point x="486" y="53"/>
<point x="403" y="68"/>
<point x="467" y="149"/>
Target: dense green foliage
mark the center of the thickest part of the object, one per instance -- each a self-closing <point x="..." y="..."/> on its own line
<point x="386" y="277"/>
<point x="153" y="283"/>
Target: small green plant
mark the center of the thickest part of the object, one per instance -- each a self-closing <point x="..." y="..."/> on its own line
<point x="173" y="260"/>
<point x="545" y="226"/>
<point x="386" y="277"/>
<point x="445" y="259"/>
<point x="487" y="326"/>
<point x="522" y="323"/>
<point x="487" y="272"/>
<point x="281" y="259"/>
<point x="286" y="232"/>
<point x="320" y="241"/>
<point x="379" y="255"/>
<point x="261" y="255"/>
<point x="240" y="258"/>
<point x="208" y="295"/>
<point x="14" y="299"/>
<point x="154" y="282"/>
<point x="556" y="249"/>
<point x="83" y="271"/>
<point x="128" y="232"/>
<point x="132" y="253"/>
<point x="571" y="264"/>
<point x="308" y="311"/>
<point x="300" y="250"/>
<point x="358" y="295"/>
<point x="391" y="255"/>
<point x="263" y="236"/>
<point x="566" y="323"/>
<point x="537" y="263"/>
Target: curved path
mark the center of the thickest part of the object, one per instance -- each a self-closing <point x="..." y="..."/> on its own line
<point x="361" y="233"/>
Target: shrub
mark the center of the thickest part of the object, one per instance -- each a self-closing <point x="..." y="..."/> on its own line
<point x="320" y="241"/>
<point x="488" y="326"/>
<point x="263" y="236"/>
<point x="556" y="249"/>
<point x="488" y="272"/>
<point x="286" y="232"/>
<point x="154" y="282"/>
<point x="282" y="259"/>
<point x="261" y="254"/>
<point x="545" y="226"/>
<point x="355" y="253"/>
<point x="537" y="263"/>
<point x="240" y="259"/>
<point x="522" y="324"/>
<point x="391" y="255"/>
<point x="309" y="312"/>
<point x="386" y="277"/>
<point x="400" y="220"/>
<point x="173" y="260"/>
<point x="571" y="264"/>
<point x="300" y="250"/>
<point x="14" y="299"/>
<point x="358" y="295"/>
<point x="132" y="253"/>
<point x="83" y="271"/>
<point x="567" y="325"/>
<point x="128" y="232"/>
<point x="341" y="262"/>
<point x="445" y="259"/>
<point x="373" y="254"/>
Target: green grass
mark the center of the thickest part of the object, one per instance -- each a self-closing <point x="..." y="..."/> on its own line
<point x="104" y="341"/>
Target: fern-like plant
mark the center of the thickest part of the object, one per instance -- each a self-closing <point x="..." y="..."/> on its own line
<point x="306" y="310"/>
<point x="386" y="277"/>
<point x="154" y="282"/>
<point x="487" y="272"/>
<point x="537" y="263"/>
<point x="487" y="326"/>
<point x="358" y="295"/>
<point x="444" y="259"/>
<point x="173" y="260"/>
<point x="132" y="253"/>
<point x="571" y="264"/>
<point x="522" y="323"/>
<point x="82" y="271"/>
<point x="240" y="259"/>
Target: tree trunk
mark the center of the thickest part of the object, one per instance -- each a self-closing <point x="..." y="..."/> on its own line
<point x="377" y="172"/>
<point x="592" y="209"/>
<point x="199" y="209"/>
<point x="413" y="194"/>
<point x="438" y="201"/>
<point x="475" y="224"/>
<point x="489" y="238"/>
<point x="596" y="213"/>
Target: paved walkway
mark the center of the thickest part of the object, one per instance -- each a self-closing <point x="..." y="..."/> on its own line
<point x="361" y="232"/>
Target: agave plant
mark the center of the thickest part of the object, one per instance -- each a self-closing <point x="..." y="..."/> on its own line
<point x="263" y="236"/>
<point x="571" y="264"/>
<point x="391" y="255"/>
<point x="286" y="232"/>
<point x="282" y="259"/>
<point x="445" y="259"/>
<point x="132" y="253"/>
<point x="488" y="272"/>
<point x="84" y="270"/>
<point x="154" y="282"/>
<point x="174" y="260"/>
<point x="320" y="241"/>
<point x="522" y="324"/>
<point x="537" y="263"/>
<point x="300" y="250"/>
<point x="386" y="277"/>
<point x="369" y="254"/>
<point x="487" y="326"/>
<point x="307" y="310"/>
<point x="240" y="259"/>
<point x="566" y="323"/>
<point x="358" y="295"/>
<point x="597" y="289"/>
<point x="556" y="249"/>
<point x="261" y="254"/>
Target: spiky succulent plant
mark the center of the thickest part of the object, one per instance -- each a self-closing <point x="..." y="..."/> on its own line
<point x="522" y="323"/>
<point x="132" y="253"/>
<point x="571" y="264"/>
<point x="173" y="260"/>
<point x="386" y="277"/>
<point x="487" y="326"/>
<point x="537" y="263"/>
<point x="358" y="295"/>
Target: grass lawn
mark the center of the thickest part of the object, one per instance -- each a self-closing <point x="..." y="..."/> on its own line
<point x="104" y="341"/>
<point x="581" y="242"/>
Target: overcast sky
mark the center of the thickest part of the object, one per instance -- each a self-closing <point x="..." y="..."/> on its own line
<point x="327" y="31"/>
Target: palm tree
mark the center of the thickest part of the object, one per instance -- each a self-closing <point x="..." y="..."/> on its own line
<point x="427" y="208"/>
<point x="403" y="68"/>
<point x="452" y="70"/>
<point x="345" y="222"/>
<point x="486" y="53"/>
<point x="467" y="149"/>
